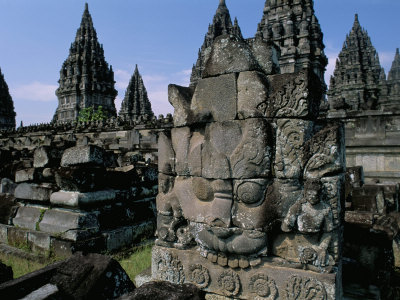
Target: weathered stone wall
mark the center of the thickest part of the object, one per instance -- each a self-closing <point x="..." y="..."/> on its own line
<point x="84" y="187"/>
<point x="373" y="142"/>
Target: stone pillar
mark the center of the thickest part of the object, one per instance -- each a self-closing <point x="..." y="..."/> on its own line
<point x="251" y="184"/>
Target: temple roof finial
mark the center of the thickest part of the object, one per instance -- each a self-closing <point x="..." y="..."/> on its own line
<point x="222" y="2"/>
<point x="86" y="7"/>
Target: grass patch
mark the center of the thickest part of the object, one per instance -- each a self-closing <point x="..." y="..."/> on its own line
<point x="20" y="266"/>
<point x="137" y="261"/>
<point x="133" y="261"/>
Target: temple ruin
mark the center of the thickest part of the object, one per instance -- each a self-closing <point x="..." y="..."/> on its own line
<point x="7" y="113"/>
<point x="86" y="80"/>
<point x="245" y="187"/>
<point x="251" y="179"/>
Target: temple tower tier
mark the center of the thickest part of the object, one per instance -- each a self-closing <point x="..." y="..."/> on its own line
<point x="136" y="102"/>
<point x="86" y="79"/>
<point x="358" y="81"/>
<point x="7" y="113"/>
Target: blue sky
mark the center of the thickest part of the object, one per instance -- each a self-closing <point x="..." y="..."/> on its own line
<point x="161" y="36"/>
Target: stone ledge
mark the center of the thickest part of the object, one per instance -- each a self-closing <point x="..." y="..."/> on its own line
<point x="257" y="282"/>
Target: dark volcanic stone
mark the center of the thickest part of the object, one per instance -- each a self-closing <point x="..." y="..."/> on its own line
<point x="80" y="179"/>
<point x="91" y="276"/>
<point x="6" y="273"/>
<point x="230" y="54"/>
<point x="7" y="207"/>
<point x="165" y="290"/>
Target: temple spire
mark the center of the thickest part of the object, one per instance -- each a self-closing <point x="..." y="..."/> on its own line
<point x="221" y="25"/>
<point x="7" y="113"/>
<point x="293" y="28"/>
<point x="136" y="102"/>
<point x="86" y="80"/>
<point x="358" y="75"/>
<point x="393" y="83"/>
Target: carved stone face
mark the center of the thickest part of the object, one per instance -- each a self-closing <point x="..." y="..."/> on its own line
<point x="312" y="196"/>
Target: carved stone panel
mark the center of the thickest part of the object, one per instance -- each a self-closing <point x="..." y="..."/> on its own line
<point x="324" y="153"/>
<point x="166" y="154"/>
<point x="291" y="135"/>
<point x="215" y="99"/>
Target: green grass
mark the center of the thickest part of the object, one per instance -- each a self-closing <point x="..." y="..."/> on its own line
<point x="133" y="261"/>
<point x="138" y="261"/>
<point x="20" y="266"/>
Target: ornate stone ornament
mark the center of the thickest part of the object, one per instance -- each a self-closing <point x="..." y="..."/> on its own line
<point x="300" y="288"/>
<point x="229" y="282"/>
<point x="169" y="268"/>
<point x="264" y="287"/>
<point x="199" y="275"/>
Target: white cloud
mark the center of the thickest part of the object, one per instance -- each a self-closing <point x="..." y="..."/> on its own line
<point x="35" y="91"/>
<point x="122" y="78"/>
<point x="332" y="56"/>
<point x="386" y="60"/>
<point x="153" y="78"/>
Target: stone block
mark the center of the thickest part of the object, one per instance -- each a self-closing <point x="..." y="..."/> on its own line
<point x="4" y="233"/>
<point x="252" y="90"/>
<point x="166" y="154"/>
<point x="180" y="141"/>
<point x="86" y="155"/>
<point x="215" y="99"/>
<point x="17" y="237"/>
<point x="80" y="179"/>
<point x="35" y="192"/>
<point x="39" y="241"/>
<point x="31" y="174"/>
<point x="44" y="157"/>
<point x="28" y="217"/>
<point x="7" y="186"/>
<point x="229" y="54"/>
<point x="77" y="199"/>
<point x="180" y="98"/>
<point x="261" y="281"/>
<point x="70" y="225"/>
<point x="118" y="238"/>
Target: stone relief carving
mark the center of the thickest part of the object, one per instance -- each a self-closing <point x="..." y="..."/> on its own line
<point x="169" y="268"/>
<point x="199" y="275"/>
<point x="313" y="217"/>
<point x="324" y="153"/>
<point x="229" y="283"/>
<point x="264" y="287"/>
<point x="299" y="288"/>
<point x="290" y="138"/>
<point x="289" y="99"/>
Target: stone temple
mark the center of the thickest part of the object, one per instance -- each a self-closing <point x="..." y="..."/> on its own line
<point x="250" y="202"/>
<point x="136" y="103"/>
<point x="86" y="80"/>
<point x="369" y="104"/>
<point x="7" y="113"/>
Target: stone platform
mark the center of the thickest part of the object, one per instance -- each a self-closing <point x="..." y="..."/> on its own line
<point x="262" y="281"/>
